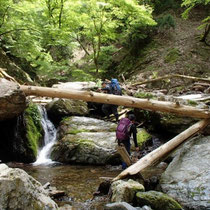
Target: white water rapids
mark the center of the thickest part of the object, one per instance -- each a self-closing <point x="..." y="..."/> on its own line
<point x="49" y="140"/>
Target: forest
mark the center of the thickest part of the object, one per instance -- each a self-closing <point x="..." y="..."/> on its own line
<point x="60" y="119"/>
<point x="63" y="40"/>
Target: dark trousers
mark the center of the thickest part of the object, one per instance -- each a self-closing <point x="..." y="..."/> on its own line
<point x="110" y="109"/>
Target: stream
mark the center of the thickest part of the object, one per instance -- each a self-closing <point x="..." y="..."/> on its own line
<point x="79" y="182"/>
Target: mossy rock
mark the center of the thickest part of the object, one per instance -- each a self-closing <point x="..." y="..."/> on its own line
<point x="157" y="200"/>
<point x="142" y="136"/>
<point x="125" y="190"/>
<point x="67" y="107"/>
<point x="85" y="140"/>
<point x="34" y="130"/>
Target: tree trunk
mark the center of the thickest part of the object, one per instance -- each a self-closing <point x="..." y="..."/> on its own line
<point x="126" y="101"/>
<point x="163" y="150"/>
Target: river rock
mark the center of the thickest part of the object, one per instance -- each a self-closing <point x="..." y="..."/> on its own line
<point x="21" y="191"/>
<point x="59" y="108"/>
<point x="120" y="206"/>
<point x="187" y="177"/>
<point x="125" y="190"/>
<point x="12" y="100"/>
<point x="157" y="200"/>
<point x="85" y="140"/>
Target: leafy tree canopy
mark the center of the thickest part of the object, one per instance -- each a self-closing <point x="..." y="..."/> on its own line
<point x="46" y="32"/>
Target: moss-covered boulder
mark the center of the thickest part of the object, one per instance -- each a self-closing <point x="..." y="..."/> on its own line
<point x="125" y="190"/>
<point x="21" y="136"/>
<point x="164" y="123"/>
<point x="87" y="141"/>
<point x="59" y="108"/>
<point x="157" y="201"/>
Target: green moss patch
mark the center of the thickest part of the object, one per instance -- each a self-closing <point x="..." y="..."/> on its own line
<point x="33" y="127"/>
<point x="142" y="136"/>
<point x="157" y="200"/>
<point x="74" y="132"/>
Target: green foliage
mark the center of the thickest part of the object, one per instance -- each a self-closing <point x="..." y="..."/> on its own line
<point x="161" y="6"/>
<point x="81" y="75"/>
<point x="144" y="95"/>
<point x="46" y="33"/>
<point x="165" y="22"/>
<point x="190" y="4"/>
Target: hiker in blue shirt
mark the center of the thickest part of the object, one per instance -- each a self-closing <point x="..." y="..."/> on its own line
<point x="109" y="88"/>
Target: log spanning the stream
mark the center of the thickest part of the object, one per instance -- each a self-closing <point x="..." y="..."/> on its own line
<point x="162" y="151"/>
<point x="127" y="101"/>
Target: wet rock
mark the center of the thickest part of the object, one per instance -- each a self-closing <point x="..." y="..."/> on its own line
<point x="125" y="190"/>
<point x="12" y="100"/>
<point x="22" y="136"/>
<point x="187" y="177"/>
<point x="157" y="200"/>
<point x="86" y="140"/>
<point x="120" y="206"/>
<point x="58" y="108"/>
<point x="21" y="191"/>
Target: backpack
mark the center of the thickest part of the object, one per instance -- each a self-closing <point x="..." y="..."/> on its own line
<point x="123" y="129"/>
<point x="115" y="87"/>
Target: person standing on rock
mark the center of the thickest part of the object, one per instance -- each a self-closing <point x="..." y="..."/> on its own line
<point x="109" y="88"/>
<point x="126" y="127"/>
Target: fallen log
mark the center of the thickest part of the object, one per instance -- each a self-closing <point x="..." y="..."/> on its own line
<point x="163" y="150"/>
<point x="126" y="101"/>
<point x="172" y="76"/>
<point x="124" y="154"/>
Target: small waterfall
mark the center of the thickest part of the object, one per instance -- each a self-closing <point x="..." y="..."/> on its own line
<point x="49" y="139"/>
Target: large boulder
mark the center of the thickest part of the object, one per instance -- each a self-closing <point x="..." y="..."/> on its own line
<point x="187" y="177"/>
<point x="125" y="190"/>
<point x="157" y="200"/>
<point x="85" y="140"/>
<point x="12" y="100"/>
<point x="59" y="108"/>
<point x="21" y="191"/>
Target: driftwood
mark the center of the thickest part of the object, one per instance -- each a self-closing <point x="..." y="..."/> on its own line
<point x="124" y="154"/>
<point x="163" y="150"/>
<point x="126" y="101"/>
<point x="197" y="79"/>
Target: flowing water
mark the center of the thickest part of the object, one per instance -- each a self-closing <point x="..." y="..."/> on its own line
<point x="77" y="181"/>
<point x="49" y="139"/>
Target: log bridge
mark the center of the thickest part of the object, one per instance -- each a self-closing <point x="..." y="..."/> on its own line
<point x="127" y="101"/>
